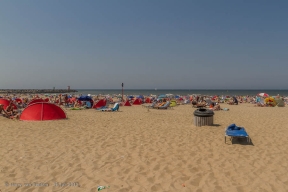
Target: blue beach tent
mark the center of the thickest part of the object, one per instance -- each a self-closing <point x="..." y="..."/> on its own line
<point x="84" y="98"/>
<point x="89" y="100"/>
<point x="140" y="96"/>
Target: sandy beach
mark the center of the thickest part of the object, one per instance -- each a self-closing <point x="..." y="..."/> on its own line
<point x="137" y="150"/>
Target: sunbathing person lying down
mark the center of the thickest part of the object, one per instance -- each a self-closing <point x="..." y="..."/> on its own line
<point x="216" y="108"/>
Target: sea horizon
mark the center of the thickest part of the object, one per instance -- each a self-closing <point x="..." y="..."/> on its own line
<point x="250" y="92"/>
<point x="155" y="91"/>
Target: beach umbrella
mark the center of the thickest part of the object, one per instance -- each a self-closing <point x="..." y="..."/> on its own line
<point x="162" y="96"/>
<point x="6" y="102"/>
<point x="84" y="98"/>
<point x="214" y="97"/>
<point x="263" y="94"/>
<point x="170" y="95"/>
<point x="35" y="101"/>
<point x="18" y="100"/>
<point x="270" y="101"/>
<point x="140" y="96"/>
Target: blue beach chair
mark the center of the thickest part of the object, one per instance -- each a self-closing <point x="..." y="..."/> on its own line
<point x="234" y="131"/>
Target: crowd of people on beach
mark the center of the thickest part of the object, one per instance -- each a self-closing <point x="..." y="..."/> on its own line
<point x="198" y="101"/>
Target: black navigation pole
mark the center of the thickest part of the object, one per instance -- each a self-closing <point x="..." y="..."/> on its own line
<point x="122" y="91"/>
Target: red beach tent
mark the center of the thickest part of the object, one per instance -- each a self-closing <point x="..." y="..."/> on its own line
<point x="127" y="103"/>
<point x="6" y="102"/>
<point x="42" y="111"/>
<point x="137" y="102"/>
<point x="18" y="100"/>
<point x="35" y="101"/>
<point x="100" y="103"/>
<point x="148" y="100"/>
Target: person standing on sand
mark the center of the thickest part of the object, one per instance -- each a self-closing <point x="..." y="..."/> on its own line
<point x="66" y="100"/>
<point x="60" y="99"/>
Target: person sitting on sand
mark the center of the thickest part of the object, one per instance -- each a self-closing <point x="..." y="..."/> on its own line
<point x="233" y="101"/>
<point x="77" y="104"/>
<point x="10" y="109"/>
<point x="8" y="115"/>
<point x="217" y="107"/>
<point x="194" y="103"/>
<point x="212" y="105"/>
<point x="25" y="102"/>
<point x="202" y="104"/>
<point x="3" y="111"/>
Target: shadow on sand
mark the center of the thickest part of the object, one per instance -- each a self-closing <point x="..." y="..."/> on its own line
<point x="239" y="141"/>
<point x="216" y="125"/>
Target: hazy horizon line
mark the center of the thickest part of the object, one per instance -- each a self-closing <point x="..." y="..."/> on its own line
<point x="155" y="89"/>
<point x="183" y="89"/>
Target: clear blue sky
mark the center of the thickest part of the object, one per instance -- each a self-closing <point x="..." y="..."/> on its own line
<point x="185" y="44"/>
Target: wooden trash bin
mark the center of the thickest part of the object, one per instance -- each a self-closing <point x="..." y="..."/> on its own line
<point x="203" y="117"/>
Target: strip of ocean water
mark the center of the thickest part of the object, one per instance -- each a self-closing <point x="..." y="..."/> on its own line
<point x="180" y="92"/>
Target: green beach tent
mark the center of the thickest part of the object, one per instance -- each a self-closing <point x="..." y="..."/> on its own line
<point x="279" y="102"/>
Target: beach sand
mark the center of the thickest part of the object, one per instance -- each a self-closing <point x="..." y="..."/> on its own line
<point x="140" y="150"/>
